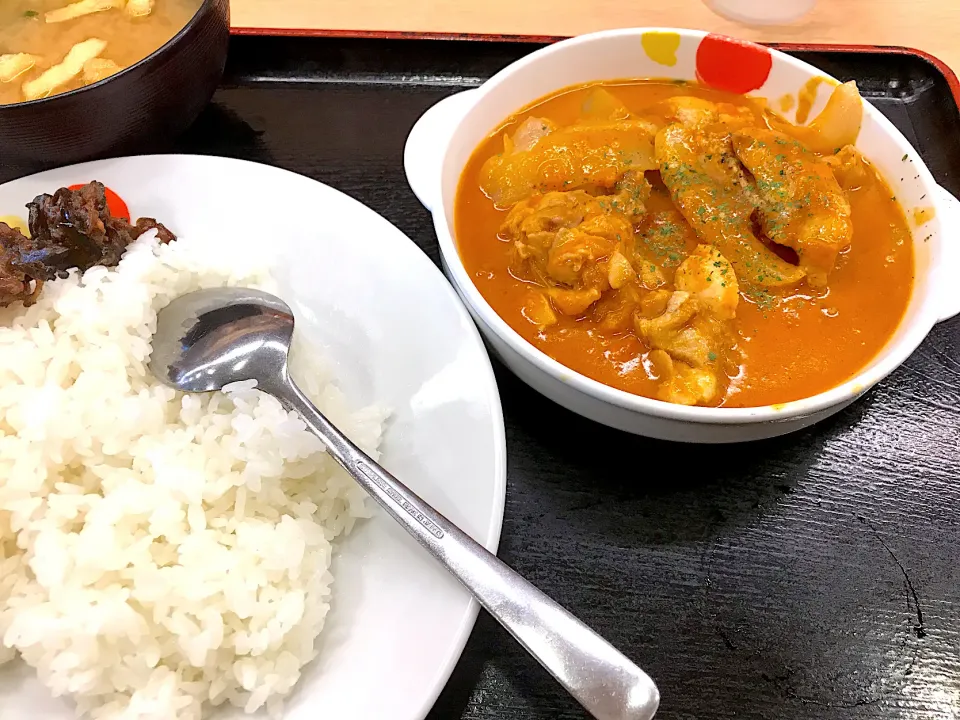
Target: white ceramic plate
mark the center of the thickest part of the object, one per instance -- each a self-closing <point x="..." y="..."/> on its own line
<point x="396" y="333"/>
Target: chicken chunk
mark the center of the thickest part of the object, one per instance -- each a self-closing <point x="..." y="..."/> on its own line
<point x="694" y="339"/>
<point x="573" y="302"/>
<point x="532" y="224"/>
<point x="68" y="69"/>
<point x="701" y="173"/>
<point x="578" y="246"/>
<point x="675" y="332"/>
<point x="620" y="271"/>
<point x="651" y="277"/>
<point x="97" y="69"/>
<point x="571" y="252"/>
<point x="537" y="309"/>
<point x="631" y="194"/>
<point x="592" y="155"/>
<point x="696" y="112"/>
<point x="849" y="167"/>
<point x="614" y="312"/>
<point x="560" y="237"/>
<point x="709" y="277"/>
<point x="682" y="384"/>
<point x="81" y="8"/>
<point x="802" y="205"/>
<point x="14" y="65"/>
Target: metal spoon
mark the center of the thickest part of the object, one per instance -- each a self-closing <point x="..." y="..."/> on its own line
<point x="211" y="338"/>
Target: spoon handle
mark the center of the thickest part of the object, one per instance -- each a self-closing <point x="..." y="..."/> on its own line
<point x="600" y="677"/>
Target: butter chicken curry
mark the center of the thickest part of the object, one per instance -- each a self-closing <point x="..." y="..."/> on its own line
<point x="686" y="244"/>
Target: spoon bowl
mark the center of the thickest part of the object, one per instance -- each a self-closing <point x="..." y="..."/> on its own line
<point x="208" y="339"/>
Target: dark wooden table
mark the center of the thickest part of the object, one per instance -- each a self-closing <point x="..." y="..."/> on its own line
<point x="811" y="577"/>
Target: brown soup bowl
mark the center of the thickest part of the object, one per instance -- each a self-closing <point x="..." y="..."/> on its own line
<point x="138" y="108"/>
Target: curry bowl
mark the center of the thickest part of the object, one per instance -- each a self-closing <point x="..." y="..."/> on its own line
<point x="443" y="142"/>
<point x="148" y="100"/>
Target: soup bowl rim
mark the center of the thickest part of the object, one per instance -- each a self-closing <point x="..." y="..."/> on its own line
<point x="426" y="178"/>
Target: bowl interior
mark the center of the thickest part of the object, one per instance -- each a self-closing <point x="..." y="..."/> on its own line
<point x="395" y="333"/>
<point x="678" y="55"/>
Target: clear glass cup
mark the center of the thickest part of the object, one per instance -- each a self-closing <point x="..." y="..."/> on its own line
<point x="762" y="12"/>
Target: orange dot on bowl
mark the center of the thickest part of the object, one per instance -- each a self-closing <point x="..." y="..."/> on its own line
<point x="733" y="65"/>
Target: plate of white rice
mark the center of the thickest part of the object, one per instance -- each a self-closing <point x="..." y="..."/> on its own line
<point x="177" y="557"/>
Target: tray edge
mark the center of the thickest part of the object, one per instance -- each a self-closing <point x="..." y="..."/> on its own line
<point x="949" y="75"/>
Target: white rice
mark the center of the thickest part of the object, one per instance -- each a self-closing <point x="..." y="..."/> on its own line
<point x="159" y="553"/>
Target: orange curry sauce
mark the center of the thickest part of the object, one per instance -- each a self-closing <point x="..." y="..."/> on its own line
<point x="793" y="345"/>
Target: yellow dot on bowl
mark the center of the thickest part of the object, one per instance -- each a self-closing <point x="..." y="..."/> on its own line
<point x="16" y="223"/>
<point x="661" y="47"/>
